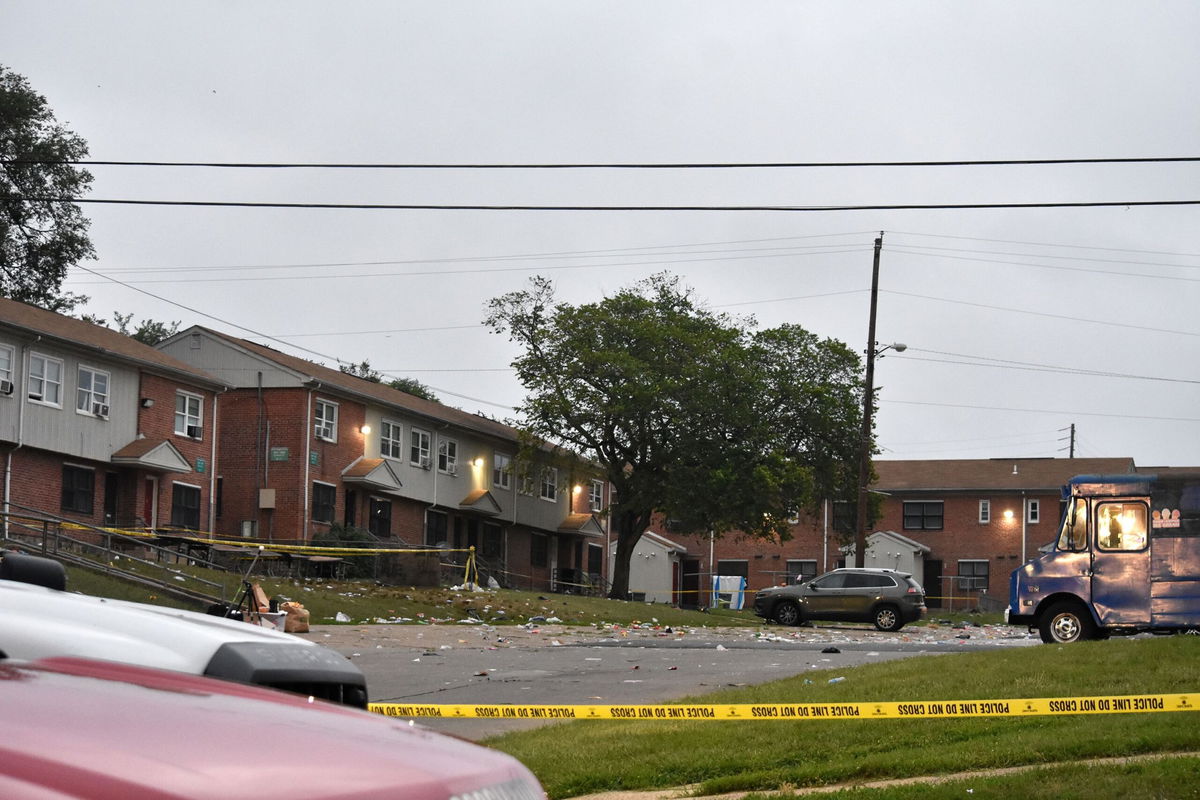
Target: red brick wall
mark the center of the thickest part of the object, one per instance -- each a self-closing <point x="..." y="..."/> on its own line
<point x="284" y="419"/>
<point x="157" y="423"/>
<point x="964" y="537"/>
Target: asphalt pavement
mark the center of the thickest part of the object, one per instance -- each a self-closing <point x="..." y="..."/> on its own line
<point x="557" y="665"/>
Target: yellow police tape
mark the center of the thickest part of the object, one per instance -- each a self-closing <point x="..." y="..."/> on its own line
<point x="1022" y="707"/>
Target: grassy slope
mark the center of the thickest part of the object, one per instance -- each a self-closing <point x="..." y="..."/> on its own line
<point x="728" y="756"/>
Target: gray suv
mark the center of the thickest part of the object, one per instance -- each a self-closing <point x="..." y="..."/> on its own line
<point x="884" y="597"/>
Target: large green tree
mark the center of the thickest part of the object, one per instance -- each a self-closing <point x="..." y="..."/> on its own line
<point x="41" y="238"/>
<point x="694" y="416"/>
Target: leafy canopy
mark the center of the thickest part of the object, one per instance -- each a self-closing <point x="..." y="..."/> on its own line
<point x="40" y="239"/>
<point x="694" y="416"/>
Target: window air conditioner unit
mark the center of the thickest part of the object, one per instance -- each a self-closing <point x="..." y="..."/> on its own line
<point x="193" y="431"/>
<point x="452" y="469"/>
<point x="6" y="387"/>
<point x="425" y="462"/>
<point x="323" y="431"/>
<point x="100" y="409"/>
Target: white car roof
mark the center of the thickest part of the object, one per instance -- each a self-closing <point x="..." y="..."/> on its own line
<point x="36" y="622"/>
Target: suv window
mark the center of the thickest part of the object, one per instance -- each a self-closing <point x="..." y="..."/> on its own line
<point x="861" y="580"/>
<point x="834" y="581"/>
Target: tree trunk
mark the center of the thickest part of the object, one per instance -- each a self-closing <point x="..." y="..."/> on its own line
<point x="630" y="525"/>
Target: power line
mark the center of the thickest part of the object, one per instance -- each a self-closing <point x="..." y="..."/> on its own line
<point x="626" y="208"/>
<point x="619" y="165"/>
<point x="492" y="270"/>
<point x="1041" y="411"/>
<point x="1044" y="244"/>
<point x="1006" y="364"/>
<point x="1041" y="313"/>
<point x="818" y="249"/>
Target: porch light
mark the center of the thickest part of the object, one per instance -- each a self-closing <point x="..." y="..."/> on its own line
<point x="364" y="430"/>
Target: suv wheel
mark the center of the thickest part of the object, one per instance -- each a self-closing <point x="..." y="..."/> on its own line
<point x="887" y="618"/>
<point x="787" y="613"/>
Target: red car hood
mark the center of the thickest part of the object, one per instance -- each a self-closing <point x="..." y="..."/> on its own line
<point x="75" y="728"/>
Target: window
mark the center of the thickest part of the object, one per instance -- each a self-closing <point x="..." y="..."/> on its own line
<point x="188" y="416"/>
<point x="45" y="380"/>
<point x="845" y="518"/>
<point x="923" y="516"/>
<point x="985" y="512"/>
<point x="6" y="364"/>
<point x="799" y="571"/>
<point x="92" y="392"/>
<point x="539" y="550"/>
<point x="448" y="456"/>
<point x="324" y="497"/>
<point x="380" y="523"/>
<point x="391" y="440"/>
<point x="185" y="506"/>
<point x="596" y="495"/>
<point x="1073" y="534"/>
<point x="78" y="489"/>
<point x="861" y="580"/>
<point x="325" y="427"/>
<point x="549" y="484"/>
<point x="1121" y="526"/>
<point x="734" y="566"/>
<point x="1033" y="511"/>
<point x="835" y="581"/>
<point x="525" y="478"/>
<point x="972" y="575"/>
<point x="418" y="451"/>
<point x="501" y="471"/>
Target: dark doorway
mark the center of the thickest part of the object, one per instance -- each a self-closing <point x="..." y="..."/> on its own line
<point x="112" y="489"/>
<point x="933" y="584"/>
<point x="689" y="595"/>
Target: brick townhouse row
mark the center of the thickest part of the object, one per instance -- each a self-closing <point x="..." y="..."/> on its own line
<point x="959" y="526"/>
<point x="98" y="428"/>
<point x="216" y="434"/>
<point x="305" y="449"/>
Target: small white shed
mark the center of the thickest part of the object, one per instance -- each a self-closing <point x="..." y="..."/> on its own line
<point x="656" y="568"/>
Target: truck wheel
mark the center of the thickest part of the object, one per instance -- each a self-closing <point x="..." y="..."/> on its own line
<point x="787" y="613"/>
<point x="1064" y="623"/>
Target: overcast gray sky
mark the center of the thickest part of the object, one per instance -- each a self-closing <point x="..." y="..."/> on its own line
<point x="1000" y="308"/>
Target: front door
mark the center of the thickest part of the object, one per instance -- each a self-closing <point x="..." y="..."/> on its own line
<point x="932" y="583"/>
<point x="1121" y="562"/>
<point x="150" y="503"/>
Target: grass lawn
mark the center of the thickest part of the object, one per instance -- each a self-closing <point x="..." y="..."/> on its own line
<point x="585" y="757"/>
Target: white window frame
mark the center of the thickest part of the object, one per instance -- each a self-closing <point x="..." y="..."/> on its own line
<point x="325" y="420"/>
<point x="985" y="512"/>
<point x="501" y="470"/>
<point x="391" y="439"/>
<point x="186" y="417"/>
<point x="44" y="380"/>
<point x="419" y="444"/>
<point x="596" y="495"/>
<point x="89" y="400"/>
<point x="973" y="578"/>
<point x="7" y="355"/>
<point x="549" y="485"/>
<point x="447" y="456"/>
<point x="1033" y="511"/>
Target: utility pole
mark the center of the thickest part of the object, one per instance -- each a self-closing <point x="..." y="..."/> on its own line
<point x="864" y="464"/>
<point x="1071" y="447"/>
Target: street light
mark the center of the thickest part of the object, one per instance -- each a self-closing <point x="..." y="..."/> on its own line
<point x="864" y="465"/>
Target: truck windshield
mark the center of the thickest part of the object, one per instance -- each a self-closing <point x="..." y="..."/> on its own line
<point x="1073" y="535"/>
